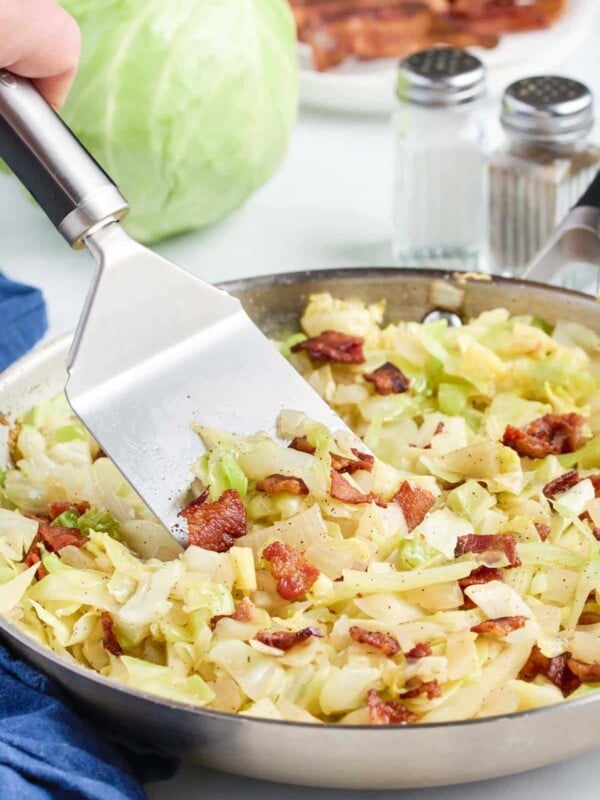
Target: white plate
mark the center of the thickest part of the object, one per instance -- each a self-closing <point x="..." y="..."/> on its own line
<point x="367" y="87"/>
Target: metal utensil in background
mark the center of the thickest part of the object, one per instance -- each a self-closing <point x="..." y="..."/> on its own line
<point x="155" y="345"/>
<point x="576" y="240"/>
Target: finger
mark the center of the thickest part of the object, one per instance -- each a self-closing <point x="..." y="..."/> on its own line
<point x="39" y="40"/>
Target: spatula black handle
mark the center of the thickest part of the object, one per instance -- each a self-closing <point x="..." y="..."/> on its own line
<point x="70" y="186"/>
<point x="592" y="194"/>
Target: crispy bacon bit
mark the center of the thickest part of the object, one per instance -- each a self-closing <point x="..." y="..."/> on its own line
<point x="388" y="379"/>
<point x="294" y="574"/>
<point x="244" y="612"/>
<point x="552" y="434"/>
<point x="486" y="543"/>
<point x="344" y="491"/>
<point x="34" y="556"/>
<point x="378" y="641"/>
<point x="275" y="484"/>
<point x="587" y="673"/>
<point x="363" y="461"/>
<point x="109" y="640"/>
<point x="56" y="509"/>
<point x="285" y="640"/>
<point x="501" y="626"/>
<point x="338" y="462"/>
<point x="56" y="537"/>
<point x="415" y="503"/>
<point x="556" y="669"/>
<point x="589" y="618"/>
<point x="543" y="530"/>
<point x="215" y="526"/>
<point x="430" y="688"/>
<point x="420" y="650"/>
<point x="561" y="484"/>
<point x="593" y="527"/>
<point x="302" y="444"/>
<point x="387" y="713"/>
<point x="334" y="347"/>
<point x="480" y="575"/>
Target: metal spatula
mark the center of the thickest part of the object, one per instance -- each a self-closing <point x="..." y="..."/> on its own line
<point x="155" y="346"/>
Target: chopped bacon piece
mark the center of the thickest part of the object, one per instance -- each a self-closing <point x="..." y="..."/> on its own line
<point x="501" y="626"/>
<point x="415" y="503"/>
<point x="420" y="650"/>
<point x="363" y="461"/>
<point x="344" y="491"/>
<point x="109" y="640"/>
<point x="56" y="509"/>
<point x="561" y="484"/>
<point x="486" y="543"/>
<point x="480" y="575"/>
<point x="593" y="527"/>
<point x="589" y="618"/>
<point x="339" y="463"/>
<point x="552" y="434"/>
<point x="302" y="444"/>
<point x="34" y="556"/>
<point x="388" y="379"/>
<point x="215" y="526"/>
<point x="285" y="640"/>
<point x="387" y="713"/>
<point x="334" y="347"/>
<point x="56" y="537"/>
<point x="294" y="574"/>
<point x="275" y="484"/>
<point x="244" y="612"/>
<point x="587" y="673"/>
<point x="430" y="688"/>
<point x="556" y="669"/>
<point x="543" y="530"/>
<point x="595" y="479"/>
<point x="378" y="641"/>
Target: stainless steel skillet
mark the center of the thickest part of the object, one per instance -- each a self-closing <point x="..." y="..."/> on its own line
<point x="322" y="755"/>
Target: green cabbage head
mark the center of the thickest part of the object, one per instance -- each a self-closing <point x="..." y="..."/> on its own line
<point x="188" y="105"/>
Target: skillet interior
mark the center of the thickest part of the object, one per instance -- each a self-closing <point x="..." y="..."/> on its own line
<point x="333" y="756"/>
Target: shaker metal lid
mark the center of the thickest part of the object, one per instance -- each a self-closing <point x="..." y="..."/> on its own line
<point x="547" y="108"/>
<point x="441" y="76"/>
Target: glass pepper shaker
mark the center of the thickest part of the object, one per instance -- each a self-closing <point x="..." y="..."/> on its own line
<point x="440" y="177"/>
<point x="542" y="169"/>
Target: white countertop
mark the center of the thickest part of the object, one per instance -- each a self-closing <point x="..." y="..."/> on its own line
<point x="328" y="206"/>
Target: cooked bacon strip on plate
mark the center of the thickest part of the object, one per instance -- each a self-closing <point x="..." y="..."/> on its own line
<point x="334" y="347"/>
<point x="552" y="434"/>
<point x="501" y="626"/>
<point x="215" y="526"/>
<point x="390" y="712"/>
<point x="293" y="573"/>
<point x="285" y="640"/>
<point x="387" y="645"/>
<point x="346" y="493"/>
<point x="388" y="379"/>
<point x="415" y="503"/>
<point x="275" y="484"/>
<point x="489" y="543"/>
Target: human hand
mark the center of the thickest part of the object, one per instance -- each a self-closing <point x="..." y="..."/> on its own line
<point x="39" y="40"/>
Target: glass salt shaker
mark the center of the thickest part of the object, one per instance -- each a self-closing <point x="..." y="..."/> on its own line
<point x="440" y="179"/>
<point x="543" y="168"/>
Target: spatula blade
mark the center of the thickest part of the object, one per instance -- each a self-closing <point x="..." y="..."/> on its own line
<point x="157" y="347"/>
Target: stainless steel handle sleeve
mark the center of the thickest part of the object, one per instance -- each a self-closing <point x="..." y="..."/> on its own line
<point x="73" y="190"/>
<point x="592" y="194"/>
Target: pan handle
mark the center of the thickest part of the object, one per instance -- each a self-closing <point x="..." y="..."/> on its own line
<point x="70" y="186"/>
<point x="592" y="194"/>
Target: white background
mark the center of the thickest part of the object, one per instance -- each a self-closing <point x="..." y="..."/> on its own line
<point x="328" y="206"/>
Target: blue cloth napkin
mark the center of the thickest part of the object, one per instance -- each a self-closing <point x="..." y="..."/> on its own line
<point x="47" y="752"/>
<point x="23" y="319"/>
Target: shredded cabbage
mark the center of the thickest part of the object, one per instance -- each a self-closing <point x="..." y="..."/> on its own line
<point x="197" y="626"/>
